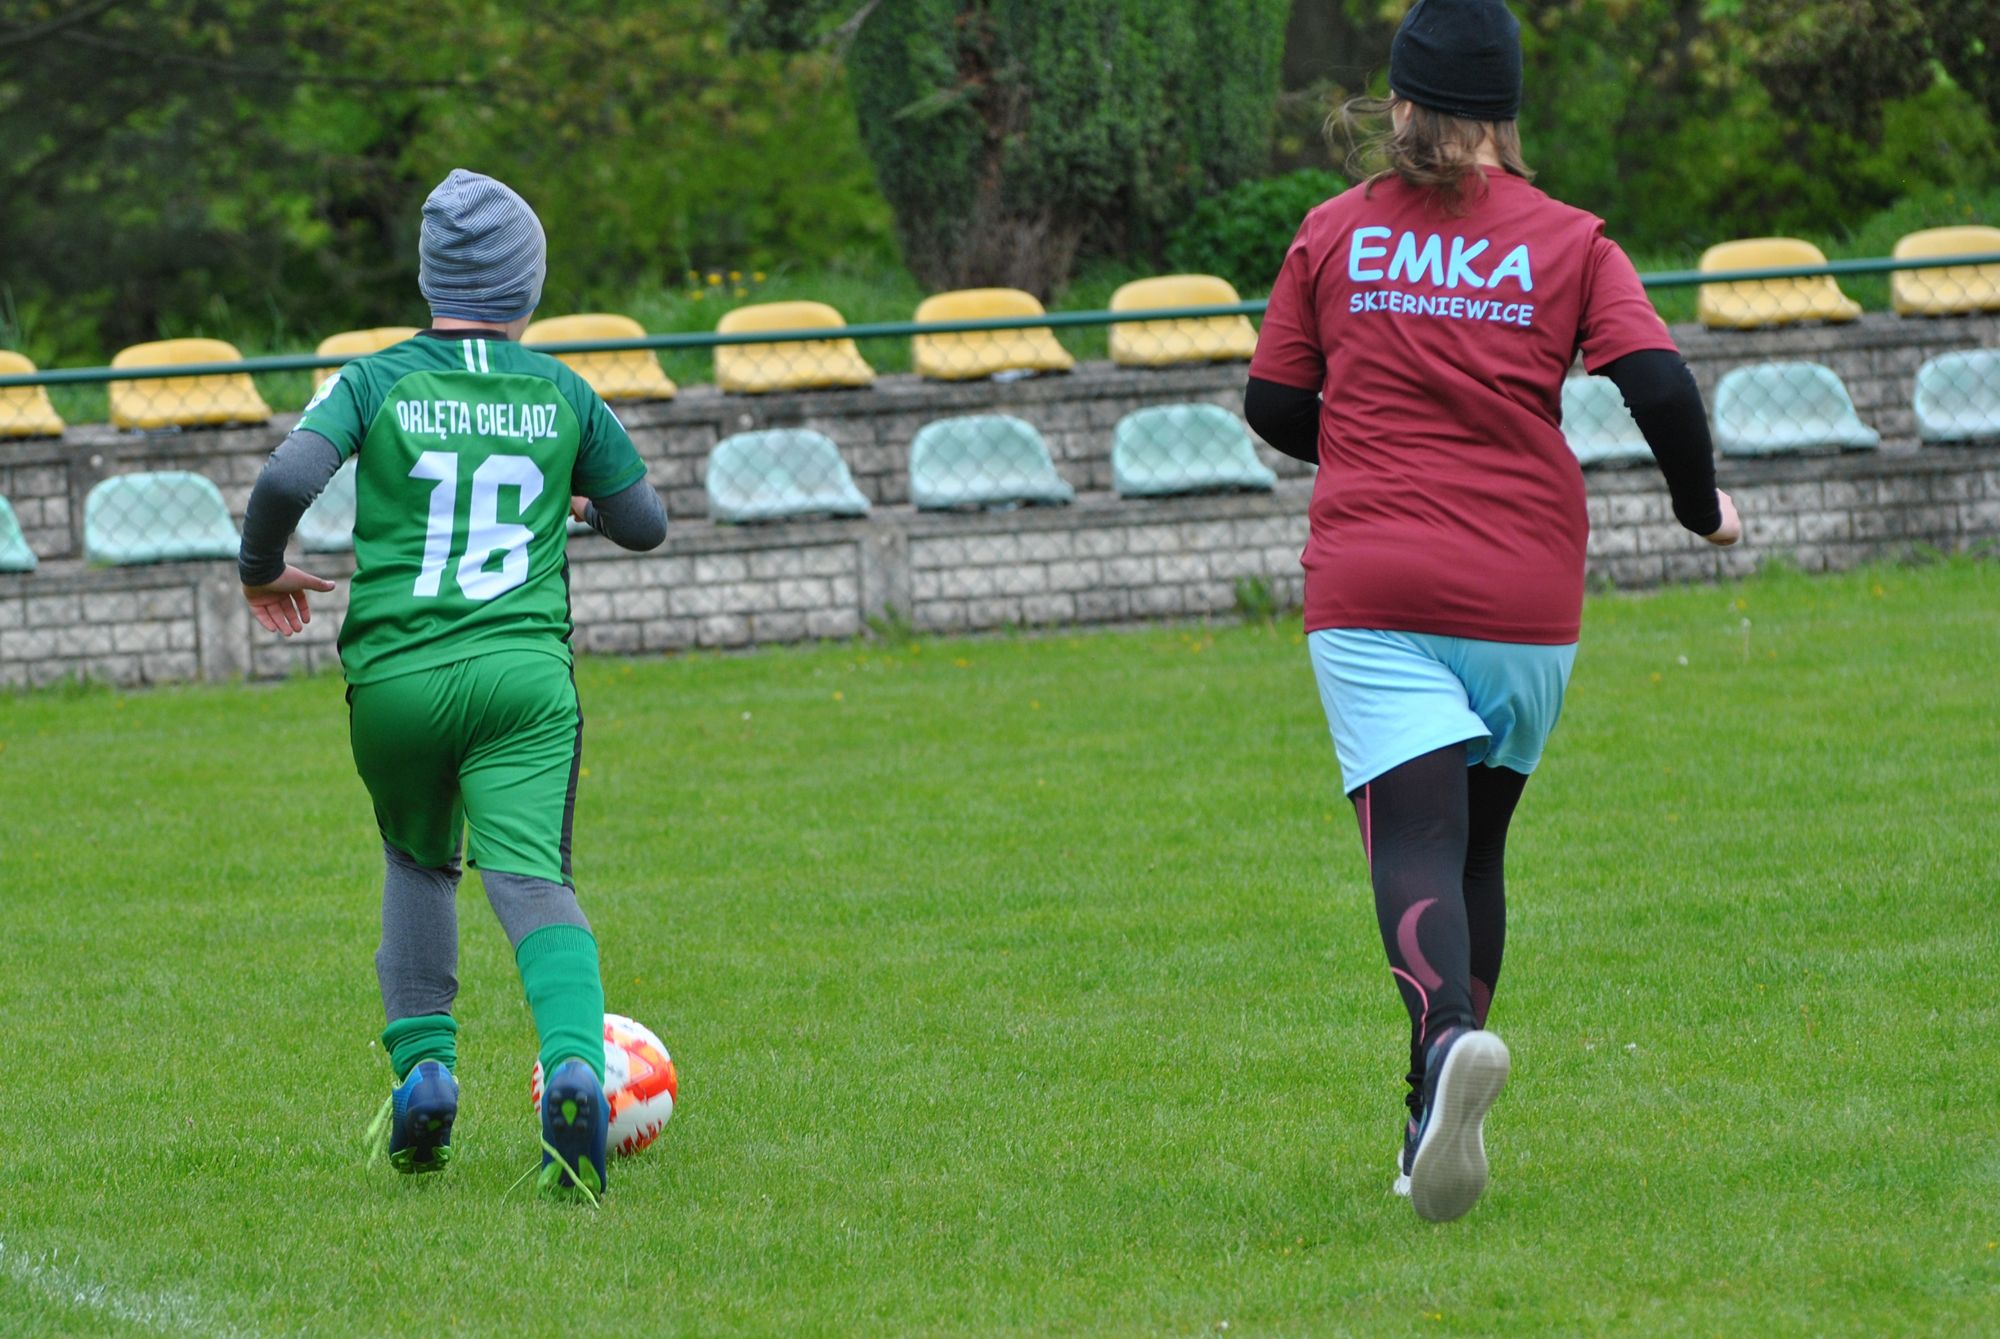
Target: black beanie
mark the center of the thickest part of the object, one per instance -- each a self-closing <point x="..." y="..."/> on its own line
<point x="1459" y="57"/>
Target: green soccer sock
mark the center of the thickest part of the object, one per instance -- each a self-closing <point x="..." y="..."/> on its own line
<point x="559" y="972"/>
<point x="411" y="1041"/>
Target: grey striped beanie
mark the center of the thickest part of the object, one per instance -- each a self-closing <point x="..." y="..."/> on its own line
<point x="482" y="254"/>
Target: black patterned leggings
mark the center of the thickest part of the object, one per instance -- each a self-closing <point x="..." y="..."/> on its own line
<point x="1435" y="832"/>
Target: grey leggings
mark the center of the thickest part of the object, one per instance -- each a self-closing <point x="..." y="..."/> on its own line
<point x="417" y="963"/>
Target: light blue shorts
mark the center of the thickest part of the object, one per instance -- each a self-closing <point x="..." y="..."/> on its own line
<point x="1394" y="696"/>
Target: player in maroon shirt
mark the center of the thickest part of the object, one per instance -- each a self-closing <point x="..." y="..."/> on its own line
<point x="1415" y="349"/>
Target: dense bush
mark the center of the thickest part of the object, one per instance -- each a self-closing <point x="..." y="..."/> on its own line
<point x="1241" y="234"/>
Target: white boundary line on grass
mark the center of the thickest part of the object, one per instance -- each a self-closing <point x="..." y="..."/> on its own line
<point x="174" y="1312"/>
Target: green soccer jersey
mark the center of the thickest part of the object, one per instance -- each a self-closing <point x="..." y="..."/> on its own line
<point x="469" y="450"/>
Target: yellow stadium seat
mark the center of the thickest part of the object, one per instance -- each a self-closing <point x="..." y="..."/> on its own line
<point x="1208" y="339"/>
<point x="981" y="353"/>
<point x="615" y="374"/>
<point x="1951" y="290"/>
<point x="25" y="411"/>
<point x="1747" y="304"/>
<point x="797" y="365"/>
<point x="355" y="343"/>
<point x="185" y="402"/>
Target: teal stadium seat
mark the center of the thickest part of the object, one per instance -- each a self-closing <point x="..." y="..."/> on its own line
<point x="1597" y="424"/>
<point x="983" y="460"/>
<point x="156" y="518"/>
<point x="1958" y="397"/>
<point x="1770" y="409"/>
<point x="15" y="555"/>
<point x="328" y="525"/>
<point x="780" y="473"/>
<point x="1185" y="448"/>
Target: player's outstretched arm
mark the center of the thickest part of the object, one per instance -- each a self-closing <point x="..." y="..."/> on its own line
<point x="1666" y="404"/>
<point x="632" y="518"/>
<point x="296" y="473"/>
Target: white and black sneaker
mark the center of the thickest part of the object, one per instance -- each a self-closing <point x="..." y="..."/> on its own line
<point x="1404" y="1157"/>
<point x="1464" y="1072"/>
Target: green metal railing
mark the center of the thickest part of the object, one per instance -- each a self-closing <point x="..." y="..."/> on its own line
<point x="692" y="340"/>
<point x="1831" y="269"/>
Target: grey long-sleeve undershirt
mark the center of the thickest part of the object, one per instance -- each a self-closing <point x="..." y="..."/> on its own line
<point x="299" y="469"/>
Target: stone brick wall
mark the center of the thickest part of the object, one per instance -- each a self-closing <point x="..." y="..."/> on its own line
<point x="129" y="627"/>
<point x="1822" y="513"/>
<point x="1102" y="560"/>
<point x="35" y="480"/>
<point x="1075" y="415"/>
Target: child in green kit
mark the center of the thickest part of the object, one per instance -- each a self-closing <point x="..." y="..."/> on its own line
<point x="471" y="455"/>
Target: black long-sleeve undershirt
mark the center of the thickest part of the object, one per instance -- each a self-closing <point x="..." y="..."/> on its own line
<point x="1657" y="387"/>
<point x="1660" y="391"/>
<point x="1285" y="416"/>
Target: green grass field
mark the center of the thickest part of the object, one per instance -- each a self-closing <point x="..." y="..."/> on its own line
<point x="1030" y="985"/>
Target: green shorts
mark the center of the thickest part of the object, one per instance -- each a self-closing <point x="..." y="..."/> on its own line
<point x="488" y="746"/>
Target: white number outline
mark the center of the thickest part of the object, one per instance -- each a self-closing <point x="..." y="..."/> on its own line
<point x="438" y="531"/>
<point x="487" y="533"/>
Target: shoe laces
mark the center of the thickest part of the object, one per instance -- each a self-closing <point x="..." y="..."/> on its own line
<point x="559" y="1162"/>
<point x="376" y="1141"/>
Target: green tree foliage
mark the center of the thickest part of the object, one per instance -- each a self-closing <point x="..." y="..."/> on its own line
<point x="1243" y="233"/>
<point x="1012" y="137"/>
<point x="139" y="172"/>
<point x="180" y="164"/>
<point x="185" y="166"/>
<point x="1684" y="122"/>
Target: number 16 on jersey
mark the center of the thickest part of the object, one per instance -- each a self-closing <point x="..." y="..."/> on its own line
<point x="487" y="533"/>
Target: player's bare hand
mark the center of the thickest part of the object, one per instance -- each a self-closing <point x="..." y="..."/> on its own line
<point x="577" y="505"/>
<point x="281" y="605"/>
<point x="1732" y="524"/>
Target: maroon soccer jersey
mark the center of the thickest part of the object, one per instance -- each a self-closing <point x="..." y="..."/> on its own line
<point x="1447" y="500"/>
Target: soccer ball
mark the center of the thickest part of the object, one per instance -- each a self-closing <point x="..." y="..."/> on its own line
<point x="639" y="1084"/>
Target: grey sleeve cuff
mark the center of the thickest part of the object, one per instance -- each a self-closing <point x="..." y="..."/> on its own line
<point x="296" y="473"/>
<point x="631" y="518"/>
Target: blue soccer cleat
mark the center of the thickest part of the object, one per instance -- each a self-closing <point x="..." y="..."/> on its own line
<point x="576" y="1121"/>
<point x="414" y="1125"/>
